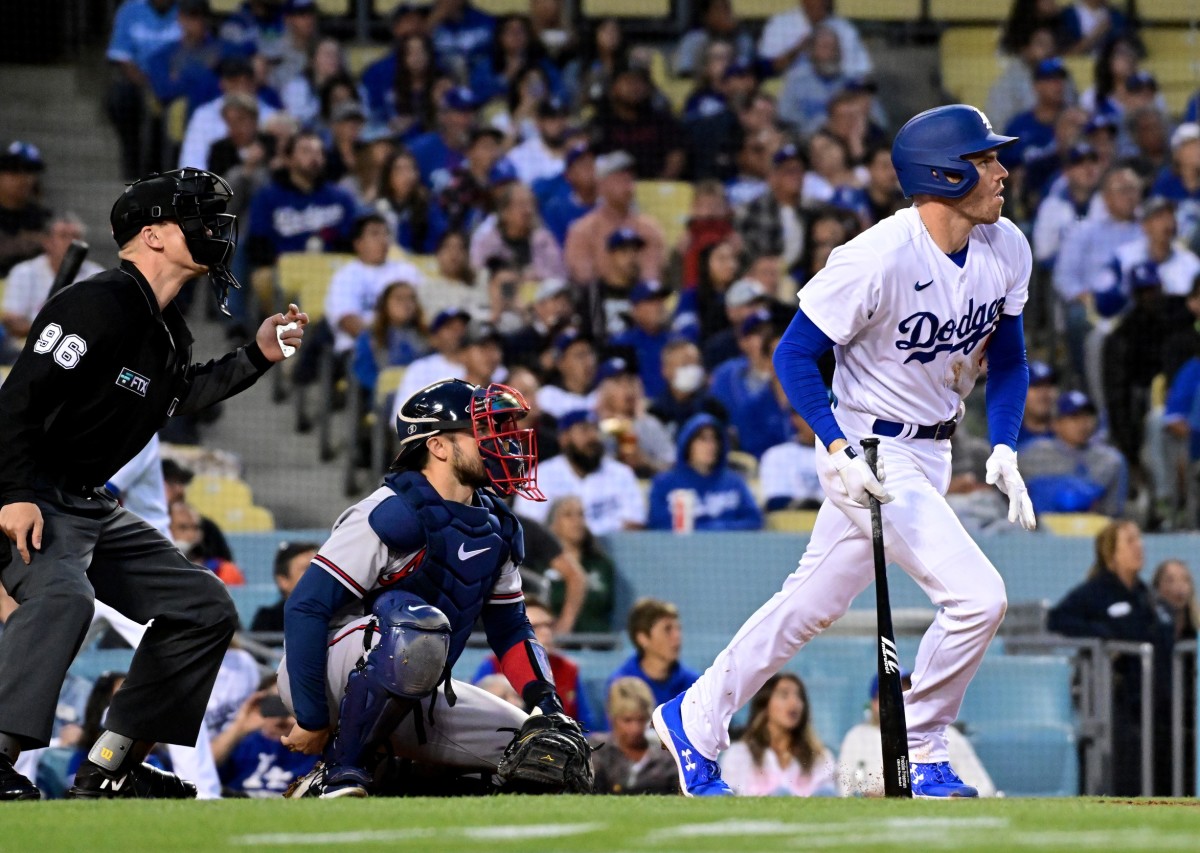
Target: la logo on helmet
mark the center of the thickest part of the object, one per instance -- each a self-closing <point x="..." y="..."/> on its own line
<point x="983" y="118"/>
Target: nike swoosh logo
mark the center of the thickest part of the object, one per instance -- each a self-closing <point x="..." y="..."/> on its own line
<point x="920" y="286"/>
<point x="464" y="554"/>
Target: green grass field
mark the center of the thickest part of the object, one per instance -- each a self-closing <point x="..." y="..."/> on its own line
<point x="610" y="824"/>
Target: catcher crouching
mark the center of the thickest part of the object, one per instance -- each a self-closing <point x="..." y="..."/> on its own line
<point x="377" y="622"/>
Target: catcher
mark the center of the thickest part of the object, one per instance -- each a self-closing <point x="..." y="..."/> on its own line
<point x="384" y="610"/>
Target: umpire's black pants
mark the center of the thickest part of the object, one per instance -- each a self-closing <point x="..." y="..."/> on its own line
<point x="92" y="548"/>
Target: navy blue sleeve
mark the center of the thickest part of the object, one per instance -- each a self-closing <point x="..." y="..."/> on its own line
<point x="1007" y="381"/>
<point x="306" y="617"/>
<point x="796" y="364"/>
<point x="506" y="625"/>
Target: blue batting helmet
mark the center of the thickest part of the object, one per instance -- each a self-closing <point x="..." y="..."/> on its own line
<point x="932" y="146"/>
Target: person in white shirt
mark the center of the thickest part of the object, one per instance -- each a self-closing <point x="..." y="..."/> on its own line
<point x="542" y="155"/>
<point x="609" y="491"/>
<point x="787" y="36"/>
<point x="29" y="281"/>
<point x="576" y="364"/>
<point x="207" y="124"/>
<point x="788" y="471"/>
<point x="355" y="288"/>
<point x="860" y="760"/>
<point x="1067" y="203"/>
<point x="446" y="333"/>
<point x="140" y="488"/>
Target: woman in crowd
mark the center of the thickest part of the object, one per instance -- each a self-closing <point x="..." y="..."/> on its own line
<point x="629" y="763"/>
<point x="396" y="336"/>
<point x="1118" y="87"/>
<point x="567" y="522"/>
<point x="827" y="229"/>
<point x="1114" y="603"/>
<point x="372" y="149"/>
<point x="335" y="91"/>
<point x="706" y="98"/>
<point x="517" y="235"/>
<point x="518" y="120"/>
<point x="714" y="21"/>
<point x="720" y="264"/>
<point x="455" y="284"/>
<point x="514" y="49"/>
<point x="302" y="94"/>
<point x="780" y="754"/>
<point x="588" y="76"/>
<point x="412" y="92"/>
<point x="829" y="157"/>
<point x="415" y="217"/>
<point x="1173" y="587"/>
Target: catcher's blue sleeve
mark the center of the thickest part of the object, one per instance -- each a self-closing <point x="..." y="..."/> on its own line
<point x="306" y="618"/>
<point x="1007" y="381"/>
<point x="796" y="364"/>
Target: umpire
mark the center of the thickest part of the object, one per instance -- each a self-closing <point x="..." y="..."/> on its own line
<point x="107" y="361"/>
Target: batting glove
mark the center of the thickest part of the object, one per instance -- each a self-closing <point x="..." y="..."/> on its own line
<point x="1003" y="474"/>
<point x="857" y="478"/>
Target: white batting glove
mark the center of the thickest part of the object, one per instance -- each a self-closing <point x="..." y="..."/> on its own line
<point x="1003" y="474"/>
<point x="857" y="478"/>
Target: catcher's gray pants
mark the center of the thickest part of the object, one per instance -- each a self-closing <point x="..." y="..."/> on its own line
<point x="92" y="548"/>
<point x="463" y="737"/>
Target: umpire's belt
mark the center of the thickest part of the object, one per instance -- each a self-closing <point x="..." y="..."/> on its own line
<point x="894" y="429"/>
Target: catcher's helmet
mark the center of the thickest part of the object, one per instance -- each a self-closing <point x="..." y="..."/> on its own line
<point x="932" y="147"/>
<point x="196" y="200"/>
<point x="490" y="414"/>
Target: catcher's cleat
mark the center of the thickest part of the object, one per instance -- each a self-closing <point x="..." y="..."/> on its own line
<point x="698" y="776"/>
<point x="344" y="781"/>
<point x="939" y="781"/>
<point x="14" y="786"/>
<point x="141" y="782"/>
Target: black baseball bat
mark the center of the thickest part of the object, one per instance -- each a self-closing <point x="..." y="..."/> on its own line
<point x="69" y="268"/>
<point x="893" y="729"/>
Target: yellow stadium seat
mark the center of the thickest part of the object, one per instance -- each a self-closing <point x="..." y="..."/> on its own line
<point x="1158" y="391"/>
<point x="760" y="10"/>
<point x="1083" y="524"/>
<point x="213" y="495"/>
<point x="744" y="463"/>
<point x="305" y="277"/>
<point x="1082" y="70"/>
<point x="957" y="10"/>
<point x="359" y="56"/>
<point x="3" y="288"/>
<point x="504" y="7"/>
<point x="882" y="10"/>
<point x="246" y="519"/>
<point x="383" y="8"/>
<point x="387" y="383"/>
<point x="677" y="90"/>
<point x="176" y="122"/>
<point x="626" y="8"/>
<point x="4" y="371"/>
<point x="225" y="7"/>
<point x="427" y="264"/>
<point x="1172" y="56"/>
<point x="668" y="202"/>
<point x="336" y="8"/>
<point x="792" y="520"/>
<point x="660" y="73"/>
<point x="1168" y="11"/>
<point x="969" y="62"/>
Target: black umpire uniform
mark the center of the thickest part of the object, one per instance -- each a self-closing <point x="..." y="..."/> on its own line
<point x="102" y="370"/>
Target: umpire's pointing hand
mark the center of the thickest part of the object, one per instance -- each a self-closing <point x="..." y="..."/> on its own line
<point x="22" y="523"/>
<point x="266" y="337"/>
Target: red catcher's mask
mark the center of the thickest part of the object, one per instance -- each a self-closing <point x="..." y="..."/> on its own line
<point x="509" y="452"/>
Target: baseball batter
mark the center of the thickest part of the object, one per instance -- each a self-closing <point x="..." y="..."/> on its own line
<point x="910" y="307"/>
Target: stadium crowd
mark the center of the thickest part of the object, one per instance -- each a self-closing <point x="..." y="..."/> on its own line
<point x="523" y="198"/>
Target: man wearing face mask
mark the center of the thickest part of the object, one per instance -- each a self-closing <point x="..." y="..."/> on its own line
<point x="608" y="489"/>
<point x="687" y="387"/>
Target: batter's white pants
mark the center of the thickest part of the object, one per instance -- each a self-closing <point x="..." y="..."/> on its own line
<point x="466" y="736"/>
<point x="922" y="535"/>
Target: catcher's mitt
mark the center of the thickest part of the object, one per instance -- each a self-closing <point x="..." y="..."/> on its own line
<point x="548" y="755"/>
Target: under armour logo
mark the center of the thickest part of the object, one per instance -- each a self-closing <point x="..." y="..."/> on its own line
<point x="688" y="764"/>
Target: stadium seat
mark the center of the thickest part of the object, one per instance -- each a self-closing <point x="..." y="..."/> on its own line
<point x="211" y="494"/>
<point x="1086" y="524"/>
<point x="427" y="264"/>
<point x="383" y="8"/>
<point x="792" y="520"/>
<point x="880" y="10"/>
<point x="305" y="277"/>
<point x="969" y="63"/>
<point x="1158" y="391"/>
<point x="385" y="392"/>
<point x="246" y="519"/>
<point x="1012" y="689"/>
<point x="956" y="10"/>
<point x="760" y="10"/>
<point x="225" y="7"/>
<point x="1172" y="56"/>
<point x="176" y="120"/>
<point x="4" y="371"/>
<point x="1029" y="759"/>
<point x="92" y="663"/>
<point x="334" y="8"/>
<point x="503" y="7"/>
<point x="595" y="9"/>
<point x="248" y="599"/>
<point x="669" y="203"/>
<point x="359" y="56"/>
<point x="1167" y="11"/>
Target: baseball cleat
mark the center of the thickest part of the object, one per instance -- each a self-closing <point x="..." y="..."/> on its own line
<point x="698" y="776"/>
<point x="141" y="782"/>
<point x="938" y="781"/>
<point x="344" y="781"/>
<point x="14" y="786"/>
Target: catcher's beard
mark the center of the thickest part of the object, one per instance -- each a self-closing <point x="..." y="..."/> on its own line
<point x="470" y="472"/>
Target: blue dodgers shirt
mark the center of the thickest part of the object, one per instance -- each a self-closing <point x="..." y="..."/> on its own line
<point x="288" y="217"/>
<point x="139" y="30"/>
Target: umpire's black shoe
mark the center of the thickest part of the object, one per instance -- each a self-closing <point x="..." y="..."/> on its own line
<point x="14" y="786"/>
<point x="142" y="782"/>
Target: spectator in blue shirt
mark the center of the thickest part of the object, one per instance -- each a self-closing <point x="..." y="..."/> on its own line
<point x="514" y="49"/>
<point x="383" y="81"/>
<point x="657" y="635"/>
<point x="1087" y="31"/>
<point x="439" y="152"/>
<point x="746" y="387"/>
<point x="648" y="332"/>
<point x="571" y="195"/>
<point x="461" y="33"/>
<point x="253" y="26"/>
<point x="140" y="28"/>
<point x="719" y="499"/>
<point x="1034" y="128"/>
<point x="1040" y="402"/>
<point x="188" y="67"/>
<point x="251" y="759"/>
<point x="416" y="218"/>
<point x="299" y="210"/>
<point x="1181" y="181"/>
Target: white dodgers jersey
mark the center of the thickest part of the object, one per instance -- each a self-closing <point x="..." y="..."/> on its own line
<point x="910" y="326"/>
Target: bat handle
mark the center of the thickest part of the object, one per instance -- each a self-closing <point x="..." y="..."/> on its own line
<point x="870" y="448"/>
